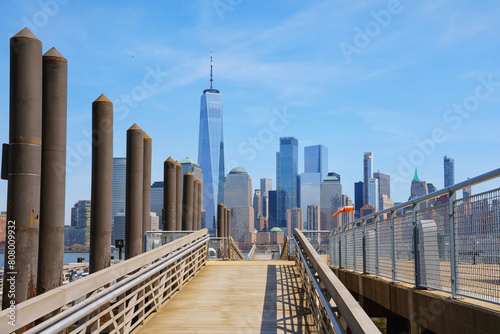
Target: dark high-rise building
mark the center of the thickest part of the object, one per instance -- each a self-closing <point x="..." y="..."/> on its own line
<point x="157" y="200"/>
<point x="358" y="197"/>
<point x="449" y="171"/>
<point x="266" y="185"/>
<point x="273" y="208"/>
<point x="418" y="189"/>
<point x="287" y="177"/>
<point x="367" y="174"/>
<point x="211" y="151"/>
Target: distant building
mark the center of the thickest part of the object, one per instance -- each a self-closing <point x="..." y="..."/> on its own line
<point x="119" y="184"/>
<point x="358" y="197"/>
<point x="266" y="185"/>
<point x="373" y="193"/>
<point x="294" y="219"/>
<point x="211" y="152"/>
<point x="157" y="200"/>
<point x="277" y="235"/>
<point x="119" y="230"/>
<point x="313" y="217"/>
<point x="418" y="189"/>
<point x="367" y="174"/>
<point x="331" y="201"/>
<point x="366" y="210"/>
<point x="384" y="186"/>
<point x="241" y="222"/>
<point x="449" y="171"/>
<point x="189" y="165"/>
<point x="75" y="236"/>
<point x="80" y="219"/>
<point x="154" y="222"/>
<point x="273" y="209"/>
<point x="257" y="206"/>
<point x="467" y="192"/>
<point x="287" y="177"/>
<point x="238" y="188"/>
<point x="3" y="225"/>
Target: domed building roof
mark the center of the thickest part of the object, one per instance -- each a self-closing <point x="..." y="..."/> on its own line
<point x="331" y="178"/>
<point x="276" y="229"/>
<point x="238" y="170"/>
<point x="188" y="160"/>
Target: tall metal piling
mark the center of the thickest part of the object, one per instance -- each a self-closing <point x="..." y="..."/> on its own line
<point x="195" y="205"/>
<point x="23" y="194"/>
<point x="146" y="190"/>
<point x="178" y="201"/>
<point x="169" y="214"/>
<point x="228" y="222"/>
<point x="53" y="178"/>
<point x="221" y="219"/>
<point x="200" y="204"/>
<point x="102" y="184"/>
<point x="187" y="202"/>
<point x="134" y="192"/>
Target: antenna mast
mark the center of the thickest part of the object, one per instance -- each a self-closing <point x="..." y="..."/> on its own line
<point x="211" y="65"/>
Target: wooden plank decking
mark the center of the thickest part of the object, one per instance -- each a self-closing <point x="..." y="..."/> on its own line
<point x="236" y="297"/>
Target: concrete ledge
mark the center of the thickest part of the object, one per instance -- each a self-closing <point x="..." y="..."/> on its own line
<point x="431" y="309"/>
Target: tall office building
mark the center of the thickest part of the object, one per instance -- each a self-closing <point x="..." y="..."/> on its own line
<point x="189" y="165"/>
<point x="373" y="193"/>
<point x="418" y="189"/>
<point x="313" y="217"/>
<point x="272" y="217"/>
<point x="287" y="177"/>
<point x="367" y="174"/>
<point x="294" y="219"/>
<point x="449" y="171"/>
<point x="238" y="187"/>
<point x="80" y="219"/>
<point x="211" y="151"/>
<point x="157" y="200"/>
<point x="315" y="169"/>
<point x="266" y="184"/>
<point x="358" y="198"/>
<point x="331" y="201"/>
<point x="119" y="180"/>
<point x="384" y="183"/>
<point x="119" y="230"/>
<point x="257" y="206"/>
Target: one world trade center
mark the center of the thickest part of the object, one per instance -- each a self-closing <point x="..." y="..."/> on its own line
<point x="211" y="152"/>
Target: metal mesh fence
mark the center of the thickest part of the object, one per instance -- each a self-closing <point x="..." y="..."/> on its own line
<point x="358" y="248"/>
<point x="384" y="248"/>
<point x="477" y="227"/>
<point x="370" y="248"/>
<point x="320" y="242"/>
<point x="434" y="262"/>
<point x="403" y="245"/>
<point x="350" y="247"/>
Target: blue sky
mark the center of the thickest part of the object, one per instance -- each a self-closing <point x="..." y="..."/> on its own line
<point x="407" y="80"/>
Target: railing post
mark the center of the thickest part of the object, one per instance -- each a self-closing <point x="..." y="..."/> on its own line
<point x="393" y="246"/>
<point x="375" y="221"/>
<point x="364" y="245"/>
<point x="345" y="240"/>
<point x="416" y="257"/>
<point x="453" y="251"/>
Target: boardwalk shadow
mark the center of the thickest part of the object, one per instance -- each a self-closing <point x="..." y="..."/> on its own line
<point x="285" y="309"/>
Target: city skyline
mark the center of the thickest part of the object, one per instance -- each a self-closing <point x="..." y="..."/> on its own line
<point x="383" y="100"/>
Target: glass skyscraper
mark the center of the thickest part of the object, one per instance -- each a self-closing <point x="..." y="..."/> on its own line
<point x="287" y="177"/>
<point x="449" y="171"/>
<point x="119" y="180"/>
<point x="315" y="169"/>
<point x="211" y="152"/>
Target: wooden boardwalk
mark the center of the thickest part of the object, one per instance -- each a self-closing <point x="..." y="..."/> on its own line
<point x="236" y="297"/>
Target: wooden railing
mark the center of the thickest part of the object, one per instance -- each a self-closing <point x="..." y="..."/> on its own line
<point x="116" y="299"/>
<point x="234" y="251"/>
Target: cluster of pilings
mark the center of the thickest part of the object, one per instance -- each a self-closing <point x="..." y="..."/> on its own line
<point x="223" y="221"/>
<point x="182" y="198"/>
<point x="35" y="166"/>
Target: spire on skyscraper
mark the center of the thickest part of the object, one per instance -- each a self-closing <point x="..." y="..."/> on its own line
<point x="211" y="65"/>
<point x="416" y="178"/>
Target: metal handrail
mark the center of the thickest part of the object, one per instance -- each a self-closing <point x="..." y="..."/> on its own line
<point x="324" y="302"/>
<point x="251" y="253"/>
<point x="355" y="317"/>
<point x="445" y="191"/>
<point x="73" y="314"/>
